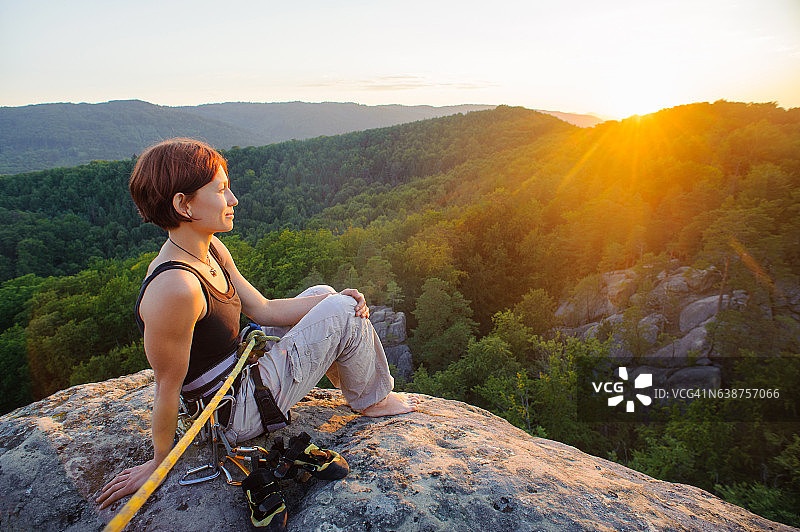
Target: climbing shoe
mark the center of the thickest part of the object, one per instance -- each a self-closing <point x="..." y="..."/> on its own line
<point x="323" y="464"/>
<point x="267" y="507"/>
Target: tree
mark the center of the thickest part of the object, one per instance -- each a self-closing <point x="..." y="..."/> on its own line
<point x="347" y="276"/>
<point x="119" y="361"/>
<point x="466" y="378"/>
<point x="512" y="398"/>
<point x="555" y="390"/>
<point x="377" y="280"/>
<point x="444" y="324"/>
<point x="741" y="243"/>
<point x="509" y="328"/>
<point x="15" y="387"/>
<point x="614" y="257"/>
<point x="77" y="317"/>
<point x="537" y="311"/>
<point x="14" y="296"/>
<point x="631" y="333"/>
<point x="285" y="259"/>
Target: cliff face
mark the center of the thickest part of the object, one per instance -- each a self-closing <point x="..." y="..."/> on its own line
<point x="391" y="329"/>
<point x="450" y="466"/>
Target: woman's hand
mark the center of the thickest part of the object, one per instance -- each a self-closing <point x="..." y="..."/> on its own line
<point x="362" y="310"/>
<point x="126" y="483"/>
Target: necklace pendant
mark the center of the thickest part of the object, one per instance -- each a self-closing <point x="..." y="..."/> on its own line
<point x="213" y="272"/>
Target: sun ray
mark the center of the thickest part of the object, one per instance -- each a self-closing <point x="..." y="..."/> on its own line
<point x="752" y="264"/>
<point x="569" y="176"/>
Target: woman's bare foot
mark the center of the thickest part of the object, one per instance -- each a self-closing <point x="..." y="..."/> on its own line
<point x="394" y="403"/>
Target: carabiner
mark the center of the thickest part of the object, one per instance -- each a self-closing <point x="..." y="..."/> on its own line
<point x="185" y="482"/>
<point x="228" y="476"/>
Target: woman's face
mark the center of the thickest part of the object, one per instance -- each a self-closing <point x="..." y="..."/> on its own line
<point x="212" y="205"/>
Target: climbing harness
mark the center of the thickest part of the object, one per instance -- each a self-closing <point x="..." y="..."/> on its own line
<point x="272" y="417"/>
<point x="140" y="497"/>
<point x="193" y="396"/>
<point x="210" y="381"/>
<point x="200" y="416"/>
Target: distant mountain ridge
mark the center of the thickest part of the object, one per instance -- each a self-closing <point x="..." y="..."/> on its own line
<point x="37" y="137"/>
<point x="276" y="122"/>
<point x="580" y="120"/>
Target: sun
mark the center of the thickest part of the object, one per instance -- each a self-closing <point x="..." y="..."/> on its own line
<point x="638" y="80"/>
<point x="636" y="97"/>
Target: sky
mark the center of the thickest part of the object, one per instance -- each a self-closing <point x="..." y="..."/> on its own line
<point x="613" y="58"/>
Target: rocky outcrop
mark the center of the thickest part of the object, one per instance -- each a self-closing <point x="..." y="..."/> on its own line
<point x="399" y="356"/>
<point x="700" y="281"/>
<point x="788" y="298"/>
<point x="390" y="325"/>
<point x="698" y="312"/>
<point x="651" y="326"/>
<point x="611" y="295"/>
<point x="615" y="290"/>
<point x="449" y="466"/>
<point x="391" y="329"/>
<point x="693" y="346"/>
<point x="703" y="309"/>
<point x="678" y="305"/>
<point x="703" y="377"/>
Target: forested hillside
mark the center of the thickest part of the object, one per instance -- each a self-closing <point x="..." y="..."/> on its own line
<point x="475" y="226"/>
<point x="36" y="137"/>
<point x="58" y="220"/>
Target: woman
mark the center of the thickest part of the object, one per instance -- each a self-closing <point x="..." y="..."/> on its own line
<point x="193" y="294"/>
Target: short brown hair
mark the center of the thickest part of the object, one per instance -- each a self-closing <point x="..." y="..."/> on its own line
<point x="164" y="169"/>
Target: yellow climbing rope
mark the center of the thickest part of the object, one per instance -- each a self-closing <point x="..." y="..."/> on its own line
<point x="140" y="497"/>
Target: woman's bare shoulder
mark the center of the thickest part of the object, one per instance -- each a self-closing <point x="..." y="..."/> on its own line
<point x="171" y="291"/>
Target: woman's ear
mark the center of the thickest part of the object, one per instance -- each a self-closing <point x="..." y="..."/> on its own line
<point x="180" y="202"/>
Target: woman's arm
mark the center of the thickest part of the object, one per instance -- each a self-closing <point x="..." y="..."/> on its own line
<point x="170" y="308"/>
<point x="276" y="312"/>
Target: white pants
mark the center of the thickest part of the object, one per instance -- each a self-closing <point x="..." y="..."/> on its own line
<point x="330" y="339"/>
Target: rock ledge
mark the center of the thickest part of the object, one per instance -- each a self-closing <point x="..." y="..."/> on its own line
<point x="450" y="466"/>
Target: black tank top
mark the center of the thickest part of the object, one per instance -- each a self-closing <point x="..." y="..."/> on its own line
<point x="216" y="335"/>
